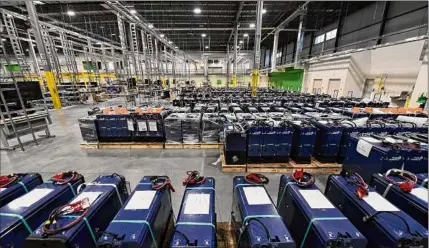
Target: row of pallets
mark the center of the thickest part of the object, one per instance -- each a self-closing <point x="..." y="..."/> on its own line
<point x="147" y="145"/>
<point x="314" y="167"/>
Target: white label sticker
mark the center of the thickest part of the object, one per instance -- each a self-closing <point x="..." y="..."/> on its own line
<point x="421" y="193"/>
<point x="153" y="127"/>
<point x="378" y="203"/>
<point x="363" y="147"/>
<point x="197" y="204"/>
<point x="2" y="189"/>
<point x="130" y="125"/>
<point x="30" y="198"/>
<point x="142" y="126"/>
<point x="317" y="104"/>
<point x="316" y="199"/>
<point x="256" y="195"/>
<point x="92" y="196"/>
<point x="141" y="200"/>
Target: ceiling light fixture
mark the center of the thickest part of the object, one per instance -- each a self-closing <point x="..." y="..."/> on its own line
<point x="162" y="35"/>
<point x="264" y="11"/>
<point x="150" y="26"/>
<point x="203" y="35"/>
<point x="38" y="2"/>
<point x="176" y="48"/>
<point x="252" y="25"/>
<point x="207" y="47"/>
<point x="133" y="11"/>
<point x="241" y="42"/>
<point x="3" y="39"/>
<point x="112" y="34"/>
<point x="246" y="35"/>
<point x="71" y="13"/>
<point x="170" y="42"/>
<point x="197" y="10"/>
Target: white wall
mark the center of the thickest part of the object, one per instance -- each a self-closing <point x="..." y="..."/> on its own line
<point x="421" y="85"/>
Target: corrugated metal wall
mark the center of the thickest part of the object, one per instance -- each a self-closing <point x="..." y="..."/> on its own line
<point x="361" y="29"/>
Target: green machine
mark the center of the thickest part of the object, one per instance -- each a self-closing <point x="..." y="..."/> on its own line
<point x="290" y="79"/>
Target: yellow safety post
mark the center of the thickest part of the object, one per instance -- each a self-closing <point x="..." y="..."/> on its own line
<point x="49" y="76"/>
<point x="163" y="82"/>
<point x="234" y="80"/>
<point x="255" y="81"/>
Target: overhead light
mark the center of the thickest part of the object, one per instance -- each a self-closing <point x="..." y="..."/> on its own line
<point x="170" y="42"/>
<point x="203" y="35"/>
<point x="246" y="35"/>
<point x="71" y="13"/>
<point x="207" y="47"/>
<point x="252" y="25"/>
<point x="150" y="26"/>
<point x="264" y="11"/>
<point x="197" y="10"/>
<point x="133" y="11"/>
<point x="98" y="43"/>
<point x="3" y="39"/>
<point x="176" y="48"/>
<point x="241" y="42"/>
<point x="101" y="26"/>
<point x="112" y="34"/>
<point x="162" y="35"/>
<point x="38" y="2"/>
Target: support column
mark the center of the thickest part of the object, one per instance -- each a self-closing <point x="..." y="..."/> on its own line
<point x="274" y="54"/>
<point x="161" y="55"/>
<point x="173" y="65"/>
<point x="234" y="69"/>
<point x="33" y="54"/>
<point x="383" y="22"/>
<point x="257" y="60"/>
<point x="47" y="68"/>
<point x="299" y="40"/>
<point x="228" y="68"/>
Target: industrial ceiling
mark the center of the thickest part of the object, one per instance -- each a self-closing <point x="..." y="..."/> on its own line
<point x="191" y="26"/>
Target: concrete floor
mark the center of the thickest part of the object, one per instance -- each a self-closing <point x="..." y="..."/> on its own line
<point x="64" y="153"/>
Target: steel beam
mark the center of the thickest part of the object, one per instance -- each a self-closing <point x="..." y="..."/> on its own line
<point x="274" y="54"/>
<point x="234" y="72"/>
<point x="383" y="22"/>
<point x="257" y="59"/>
<point x="340" y="24"/>
<point x="299" y="40"/>
<point x="235" y="24"/>
<point x="47" y="67"/>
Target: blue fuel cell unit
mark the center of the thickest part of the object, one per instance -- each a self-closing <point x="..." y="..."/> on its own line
<point x="254" y="217"/>
<point x="196" y="221"/>
<point x="415" y="154"/>
<point x="105" y="195"/>
<point x="17" y="185"/>
<point x="115" y="127"/>
<point x="278" y="142"/>
<point x="235" y="144"/>
<point x="367" y="155"/>
<point x="255" y="139"/>
<point x="304" y="137"/>
<point x="328" y="140"/>
<point x="313" y="220"/>
<point x="20" y="217"/>
<point x="144" y="219"/>
<point x="413" y="203"/>
<point x="381" y="222"/>
<point x="422" y="179"/>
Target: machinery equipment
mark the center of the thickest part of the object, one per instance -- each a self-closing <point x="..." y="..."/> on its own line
<point x="415" y="153"/>
<point x="210" y="128"/>
<point x="381" y="222"/>
<point x="88" y="128"/>
<point x="115" y="127"/>
<point x="254" y="217"/>
<point x="14" y="185"/>
<point x="328" y="140"/>
<point x="367" y="155"/>
<point x="77" y="223"/>
<point x="304" y="137"/>
<point x="401" y="189"/>
<point x="21" y="216"/>
<point x="144" y="219"/>
<point x="235" y="143"/>
<point x="311" y="218"/>
<point x="196" y="221"/>
<point x="173" y="128"/>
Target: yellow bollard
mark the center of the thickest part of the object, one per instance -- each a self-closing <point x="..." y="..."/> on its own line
<point x="56" y="101"/>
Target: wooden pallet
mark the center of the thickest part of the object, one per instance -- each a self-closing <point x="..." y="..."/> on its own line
<point x="192" y="146"/>
<point x="315" y="167"/>
<point x="224" y="235"/>
<point x="233" y="168"/>
<point x="123" y="145"/>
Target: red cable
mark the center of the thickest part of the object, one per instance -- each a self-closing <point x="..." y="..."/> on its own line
<point x="166" y="183"/>
<point x="8" y="180"/>
<point x="299" y="175"/>
<point x="410" y="179"/>
<point x="255" y="178"/>
<point x="65" y="177"/>
<point x="193" y="178"/>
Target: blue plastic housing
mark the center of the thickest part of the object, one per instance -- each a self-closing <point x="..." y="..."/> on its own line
<point x="247" y="216"/>
<point x="134" y="226"/>
<point x="410" y="203"/>
<point x="387" y="228"/>
<point x="99" y="214"/>
<point x="328" y="141"/>
<point x="23" y="185"/>
<point x="304" y="137"/>
<point x="197" y="217"/>
<point x="315" y="226"/>
<point x="16" y="223"/>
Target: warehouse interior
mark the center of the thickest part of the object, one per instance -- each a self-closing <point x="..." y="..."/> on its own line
<point x="327" y="97"/>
